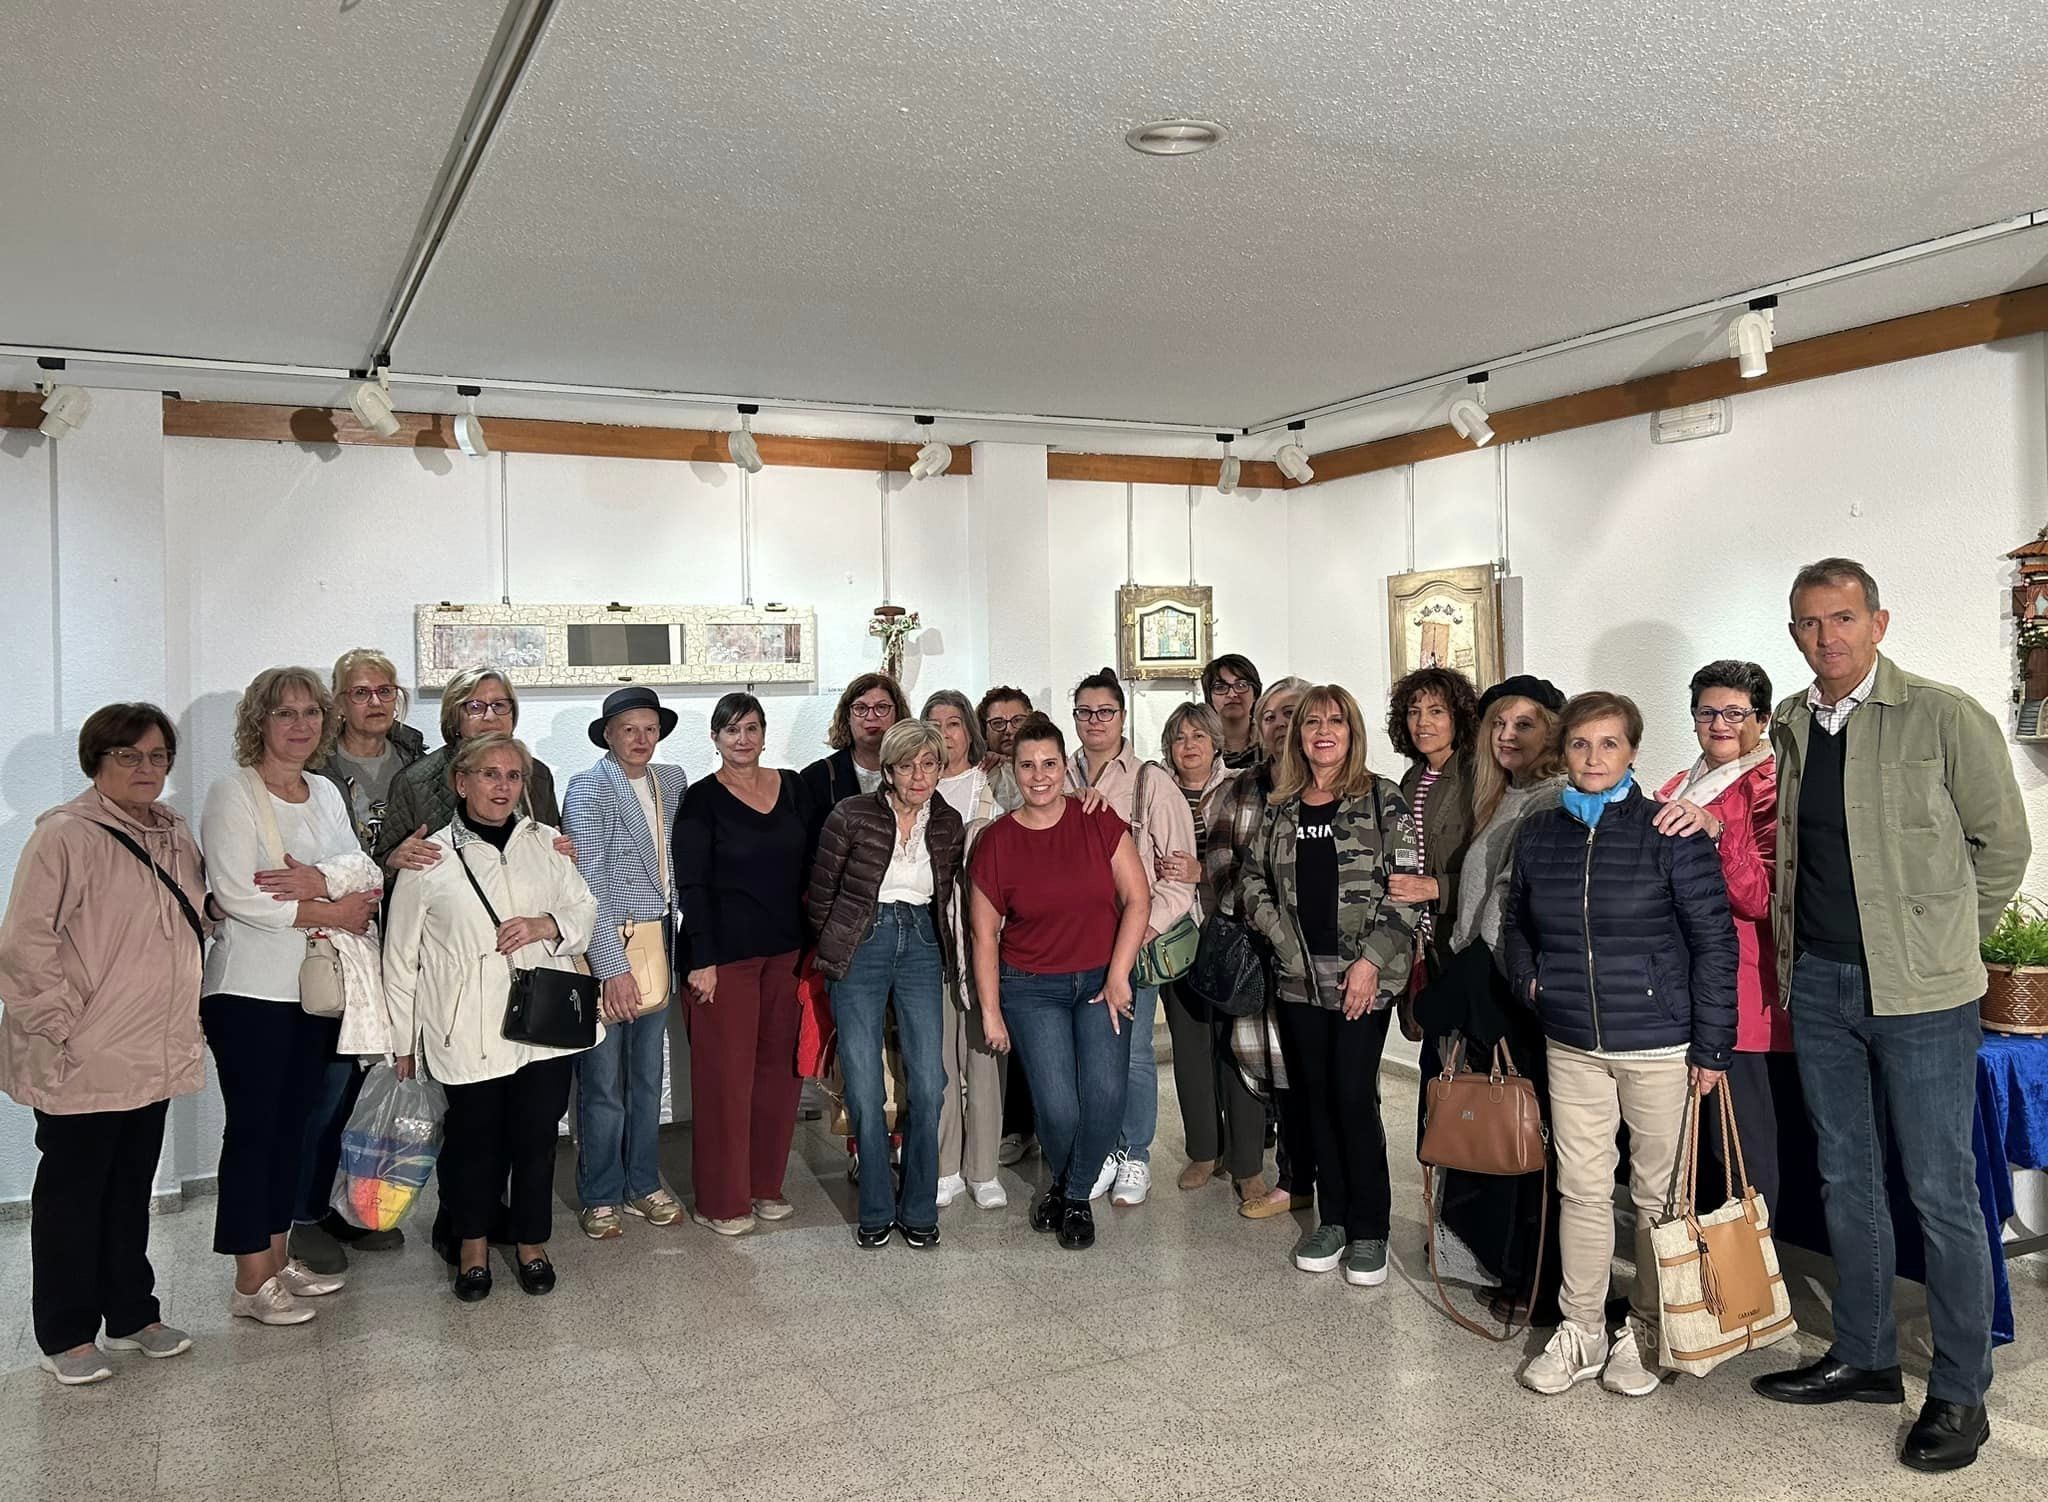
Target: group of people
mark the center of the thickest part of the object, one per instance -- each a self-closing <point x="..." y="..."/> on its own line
<point x="996" y="914"/>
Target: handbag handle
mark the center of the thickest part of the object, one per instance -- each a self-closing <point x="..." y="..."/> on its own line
<point x="1502" y="1068"/>
<point x="1732" y="1164"/>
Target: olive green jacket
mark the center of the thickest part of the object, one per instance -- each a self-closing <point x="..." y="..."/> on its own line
<point x="1938" y="837"/>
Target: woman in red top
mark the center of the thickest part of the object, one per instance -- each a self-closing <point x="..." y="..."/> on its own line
<point x="1731" y="792"/>
<point x="1059" y="908"/>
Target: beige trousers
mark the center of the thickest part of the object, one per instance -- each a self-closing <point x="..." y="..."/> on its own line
<point x="971" y="1119"/>
<point x="1591" y="1098"/>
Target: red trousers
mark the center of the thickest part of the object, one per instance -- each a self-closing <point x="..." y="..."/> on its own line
<point x="743" y="1085"/>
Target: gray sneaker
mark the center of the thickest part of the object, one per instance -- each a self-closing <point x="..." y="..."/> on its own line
<point x="1365" y="1263"/>
<point x="154" y="1341"/>
<point x="1320" y="1250"/>
<point x="75" y="1369"/>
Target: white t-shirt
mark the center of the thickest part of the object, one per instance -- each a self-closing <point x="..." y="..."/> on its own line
<point x="647" y="791"/>
<point x="257" y="952"/>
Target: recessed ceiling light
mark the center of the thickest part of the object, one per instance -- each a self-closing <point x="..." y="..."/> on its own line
<point x="1174" y="137"/>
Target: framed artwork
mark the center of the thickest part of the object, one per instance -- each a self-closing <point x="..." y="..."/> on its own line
<point x="1447" y="617"/>
<point x="573" y="646"/>
<point x="1163" y="630"/>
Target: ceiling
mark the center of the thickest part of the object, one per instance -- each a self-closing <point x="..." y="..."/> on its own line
<point x="876" y="202"/>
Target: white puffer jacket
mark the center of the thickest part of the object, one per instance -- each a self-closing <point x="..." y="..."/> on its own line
<point x="443" y="976"/>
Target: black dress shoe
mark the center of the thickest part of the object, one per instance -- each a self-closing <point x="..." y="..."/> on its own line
<point x="1045" y="1215"/>
<point x="919" y="1237"/>
<point x="871" y="1238"/>
<point x="537" y="1276"/>
<point x="473" y="1284"/>
<point x="1830" y="1381"/>
<point x="1077" y="1226"/>
<point x="1946" y="1436"/>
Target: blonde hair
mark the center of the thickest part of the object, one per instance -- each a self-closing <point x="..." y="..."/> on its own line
<point x="472" y="753"/>
<point x="369" y="657"/>
<point x="1294" y="776"/>
<point x="906" y="740"/>
<point x="1489" y="782"/>
<point x="266" y="692"/>
<point x="457" y="693"/>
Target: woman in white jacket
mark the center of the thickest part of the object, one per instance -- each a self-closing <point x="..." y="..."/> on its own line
<point x="447" y="975"/>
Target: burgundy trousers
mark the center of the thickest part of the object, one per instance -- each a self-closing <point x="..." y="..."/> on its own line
<point x="743" y="1085"/>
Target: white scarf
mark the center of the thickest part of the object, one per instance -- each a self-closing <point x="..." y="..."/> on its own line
<point x="1704" y="783"/>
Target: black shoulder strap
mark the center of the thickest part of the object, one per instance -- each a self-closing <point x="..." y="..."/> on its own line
<point x="184" y="902"/>
<point x="477" y="887"/>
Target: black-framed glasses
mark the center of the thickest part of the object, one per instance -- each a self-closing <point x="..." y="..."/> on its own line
<point x="1733" y="716"/>
<point x="1228" y="688"/>
<point x="130" y="758"/>
<point x="874" y="711"/>
<point x="1004" y="722"/>
<point x="363" y="693"/>
<point x="1097" y="716"/>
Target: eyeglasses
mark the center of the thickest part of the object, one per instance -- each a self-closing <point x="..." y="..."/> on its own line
<point x="482" y="709"/>
<point x="498" y="774"/>
<point x="1004" y="722"/>
<point x="312" y="714"/>
<point x="1095" y="716"/>
<point x="1733" y="716"/>
<point x="875" y="711"/>
<point x="1227" y="688"/>
<point x="129" y="757"/>
<point x="363" y="693"/>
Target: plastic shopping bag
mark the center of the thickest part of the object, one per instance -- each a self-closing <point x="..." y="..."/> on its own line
<point x="388" y="1148"/>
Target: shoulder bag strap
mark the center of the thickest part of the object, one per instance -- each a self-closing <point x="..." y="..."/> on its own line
<point x="184" y="902"/>
<point x="266" y="816"/>
<point x="477" y="887"/>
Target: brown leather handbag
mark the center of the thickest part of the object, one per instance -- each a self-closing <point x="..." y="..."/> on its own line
<point x="1487" y="1123"/>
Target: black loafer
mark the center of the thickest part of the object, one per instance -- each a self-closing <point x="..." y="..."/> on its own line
<point x="1077" y="1226"/>
<point x="537" y="1277"/>
<point x="872" y="1237"/>
<point x="919" y="1237"/>
<point x="473" y="1284"/>
<point x="1830" y="1381"/>
<point x="1946" y="1436"/>
<point x="1045" y="1215"/>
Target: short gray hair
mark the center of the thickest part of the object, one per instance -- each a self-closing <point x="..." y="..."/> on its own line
<point x="905" y="741"/>
<point x="1202" y="717"/>
<point x="1835" y="571"/>
<point x="952" y="698"/>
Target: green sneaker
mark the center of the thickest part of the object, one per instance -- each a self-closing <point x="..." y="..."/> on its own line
<point x="1320" y="1250"/>
<point x="1365" y="1263"/>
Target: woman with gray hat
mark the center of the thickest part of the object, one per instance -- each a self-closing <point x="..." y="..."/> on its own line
<point x="620" y="814"/>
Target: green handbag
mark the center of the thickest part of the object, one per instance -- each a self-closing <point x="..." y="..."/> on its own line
<point x="1171" y="955"/>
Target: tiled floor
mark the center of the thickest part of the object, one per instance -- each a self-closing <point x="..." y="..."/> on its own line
<point x="1183" y="1358"/>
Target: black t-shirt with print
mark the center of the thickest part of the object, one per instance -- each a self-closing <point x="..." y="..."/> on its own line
<point x="1315" y="877"/>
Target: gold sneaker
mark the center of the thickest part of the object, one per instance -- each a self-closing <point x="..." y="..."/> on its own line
<point x="657" y="1209"/>
<point x="601" y="1222"/>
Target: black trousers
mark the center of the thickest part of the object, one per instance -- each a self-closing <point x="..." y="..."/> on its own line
<point x="1766" y="1092"/>
<point x="1020" y="1115"/>
<point x="1334" y="1067"/>
<point x="1221" y="1118"/>
<point x="509" y="1124"/>
<point x="89" y="1231"/>
<point x="271" y="1059"/>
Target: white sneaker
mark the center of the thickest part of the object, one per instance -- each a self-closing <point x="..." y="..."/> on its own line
<point x="990" y="1195"/>
<point x="270" y="1305"/>
<point x="1572" y="1356"/>
<point x="1628" y="1371"/>
<point x="1133" y="1182"/>
<point x="951" y="1187"/>
<point x="1107" y="1177"/>
<point x="301" y="1282"/>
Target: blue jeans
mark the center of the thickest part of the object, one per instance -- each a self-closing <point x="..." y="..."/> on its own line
<point x="900" y="956"/>
<point x="1078" y="1066"/>
<point x="618" y="1113"/>
<point x="1141" y="1096"/>
<point x="1919" y="1073"/>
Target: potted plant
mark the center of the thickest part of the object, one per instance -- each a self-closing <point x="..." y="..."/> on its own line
<point x="2016" y="960"/>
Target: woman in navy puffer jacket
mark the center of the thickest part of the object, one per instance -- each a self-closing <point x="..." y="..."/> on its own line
<point x="1621" y="939"/>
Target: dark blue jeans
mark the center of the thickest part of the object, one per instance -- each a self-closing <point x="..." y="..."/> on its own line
<point x="1919" y="1074"/>
<point x="618" y="1113"/>
<point x="900" y="956"/>
<point x="1079" y="1068"/>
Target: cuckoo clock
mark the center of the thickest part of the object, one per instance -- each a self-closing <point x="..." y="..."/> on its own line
<point x="2030" y="634"/>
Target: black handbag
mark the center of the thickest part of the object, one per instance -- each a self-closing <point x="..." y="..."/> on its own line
<point x="546" y="1008"/>
<point x="1228" y="972"/>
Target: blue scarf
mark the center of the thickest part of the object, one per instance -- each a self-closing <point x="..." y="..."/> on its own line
<point x="1587" y="807"/>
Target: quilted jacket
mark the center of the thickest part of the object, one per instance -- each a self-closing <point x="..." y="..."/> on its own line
<point x="423" y="797"/>
<point x="853" y="857"/>
<point x="1624" y="932"/>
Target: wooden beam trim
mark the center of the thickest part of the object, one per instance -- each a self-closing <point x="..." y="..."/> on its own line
<point x="1153" y="469"/>
<point x="21" y="409"/>
<point x="1983" y="321"/>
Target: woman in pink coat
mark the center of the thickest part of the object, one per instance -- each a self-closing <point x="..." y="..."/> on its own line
<point x="1731" y="792"/>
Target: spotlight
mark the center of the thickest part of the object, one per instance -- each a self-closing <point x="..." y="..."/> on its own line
<point x="1230" y="470"/>
<point x="934" y="459"/>
<point x="65" y="408"/>
<point x="1468" y="414"/>
<point x="1750" y="338"/>
<point x="469" y="428"/>
<point x="1293" y="458"/>
<point x="371" y="403"/>
<point x="740" y="441"/>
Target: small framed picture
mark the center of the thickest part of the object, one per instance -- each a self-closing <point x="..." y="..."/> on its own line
<point x="1445" y="618"/>
<point x="1163" y="630"/>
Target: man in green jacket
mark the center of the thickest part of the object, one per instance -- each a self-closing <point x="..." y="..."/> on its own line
<point x="1901" y="837"/>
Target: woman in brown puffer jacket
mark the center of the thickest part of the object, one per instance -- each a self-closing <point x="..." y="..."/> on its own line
<point x="881" y="889"/>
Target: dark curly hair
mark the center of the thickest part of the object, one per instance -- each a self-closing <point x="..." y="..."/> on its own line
<point x="1458" y="696"/>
